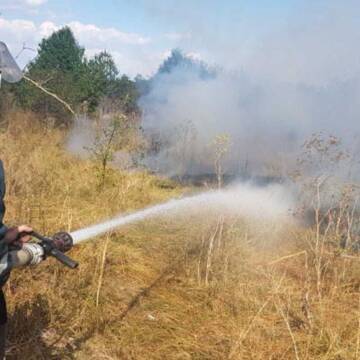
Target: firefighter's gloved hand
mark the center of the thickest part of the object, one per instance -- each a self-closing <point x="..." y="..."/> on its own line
<point x="18" y="235"/>
<point x="62" y="241"/>
<point x="35" y="251"/>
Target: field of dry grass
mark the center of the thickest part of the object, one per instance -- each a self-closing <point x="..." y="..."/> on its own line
<point x="199" y="286"/>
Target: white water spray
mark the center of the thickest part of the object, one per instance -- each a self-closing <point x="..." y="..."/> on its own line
<point x="246" y="200"/>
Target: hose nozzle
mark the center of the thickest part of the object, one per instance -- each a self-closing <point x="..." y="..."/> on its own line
<point x="63" y="241"/>
<point x="56" y="246"/>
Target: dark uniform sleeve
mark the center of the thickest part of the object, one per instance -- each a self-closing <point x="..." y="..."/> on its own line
<point x="4" y="248"/>
<point x="3" y="228"/>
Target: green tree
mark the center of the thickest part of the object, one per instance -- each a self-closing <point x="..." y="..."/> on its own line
<point x="179" y="60"/>
<point x="102" y="66"/>
<point x="102" y="77"/>
<point x="60" y="67"/>
<point x="126" y="94"/>
<point x="59" y="52"/>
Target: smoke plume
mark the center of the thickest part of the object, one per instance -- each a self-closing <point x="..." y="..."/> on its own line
<point x="275" y="88"/>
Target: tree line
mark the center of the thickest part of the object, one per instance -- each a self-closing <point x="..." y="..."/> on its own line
<point x="84" y="83"/>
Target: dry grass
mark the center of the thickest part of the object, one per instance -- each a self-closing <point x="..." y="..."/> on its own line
<point x="195" y="287"/>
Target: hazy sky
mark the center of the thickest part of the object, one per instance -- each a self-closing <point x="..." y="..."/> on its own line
<point x="141" y="33"/>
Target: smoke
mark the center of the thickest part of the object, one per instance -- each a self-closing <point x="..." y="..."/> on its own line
<point x="81" y="137"/>
<point x="276" y="87"/>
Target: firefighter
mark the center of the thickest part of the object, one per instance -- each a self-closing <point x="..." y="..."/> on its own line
<point x="14" y="252"/>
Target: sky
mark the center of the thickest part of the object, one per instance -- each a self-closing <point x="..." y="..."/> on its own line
<point x="140" y="34"/>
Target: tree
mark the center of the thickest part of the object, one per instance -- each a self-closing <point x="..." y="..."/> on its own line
<point x="59" y="67"/>
<point x="142" y="85"/>
<point x="176" y="59"/>
<point x="59" y="52"/>
<point x="126" y="94"/>
<point x="103" y="67"/>
<point x="102" y="78"/>
<point x="6" y="101"/>
<point x="62" y="69"/>
<point x="179" y="60"/>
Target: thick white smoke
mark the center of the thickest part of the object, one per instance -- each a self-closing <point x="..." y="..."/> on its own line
<point x="82" y="136"/>
<point x="299" y="78"/>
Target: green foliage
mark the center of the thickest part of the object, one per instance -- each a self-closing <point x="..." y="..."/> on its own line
<point x="59" y="67"/>
<point x="62" y="68"/>
<point x="59" y="52"/>
<point x="102" y="68"/>
<point x="142" y="85"/>
<point x="179" y="60"/>
<point x="6" y="100"/>
<point x="176" y="59"/>
<point x="102" y="73"/>
<point x="125" y="94"/>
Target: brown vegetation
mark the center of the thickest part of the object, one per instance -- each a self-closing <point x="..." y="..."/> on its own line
<point x="199" y="286"/>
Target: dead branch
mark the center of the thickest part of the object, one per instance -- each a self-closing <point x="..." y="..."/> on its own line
<point x="33" y="82"/>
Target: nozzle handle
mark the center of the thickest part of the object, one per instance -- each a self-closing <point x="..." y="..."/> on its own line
<point x="58" y="255"/>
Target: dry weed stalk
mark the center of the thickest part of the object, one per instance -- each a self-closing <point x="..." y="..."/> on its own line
<point x="102" y="269"/>
<point x="306" y="299"/>
<point x="350" y="221"/>
<point x="200" y="258"/>
<point x="285" y="317"/>
<point x="209" y="253"/>
<point x="286" y="257"/>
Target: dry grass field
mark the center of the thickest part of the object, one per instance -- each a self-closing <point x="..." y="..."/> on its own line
<point x="198" y="286"/>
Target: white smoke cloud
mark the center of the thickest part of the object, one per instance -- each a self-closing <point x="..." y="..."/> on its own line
<point x="294" y="81"/>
